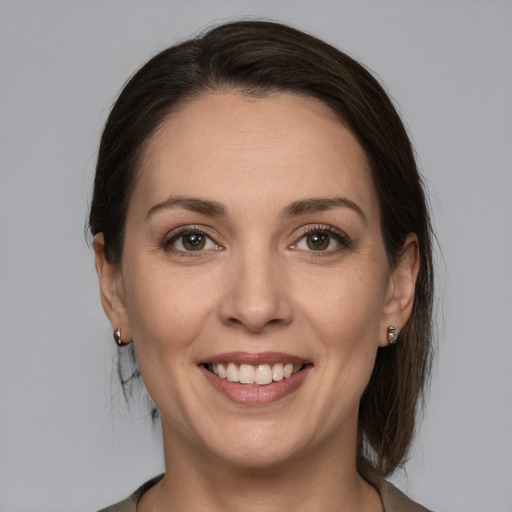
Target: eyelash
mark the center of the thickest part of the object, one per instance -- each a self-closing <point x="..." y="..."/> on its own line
<point x="170" y="239"/>
<point x="339" y="236"/>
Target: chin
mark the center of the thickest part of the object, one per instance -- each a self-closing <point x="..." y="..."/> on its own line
<point x="261" y="446"/>
<point x="253" y="458"/>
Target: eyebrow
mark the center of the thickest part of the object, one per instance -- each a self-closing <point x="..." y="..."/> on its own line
<point x="315" y="205"/>
<point x="193" y="204"/>
<point x="215" y="209"/>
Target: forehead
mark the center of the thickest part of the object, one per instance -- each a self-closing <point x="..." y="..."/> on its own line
<point x="229" y="146"/>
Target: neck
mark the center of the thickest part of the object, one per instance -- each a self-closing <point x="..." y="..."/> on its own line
<point x="324" y="478"/>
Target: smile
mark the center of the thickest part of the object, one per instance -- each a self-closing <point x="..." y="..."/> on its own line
<point x="255" y="378"/>
<point x="261" y="374"/>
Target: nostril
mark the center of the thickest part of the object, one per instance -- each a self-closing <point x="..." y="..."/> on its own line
<point x="255" y="324"/>
<point x="255" y="300"/>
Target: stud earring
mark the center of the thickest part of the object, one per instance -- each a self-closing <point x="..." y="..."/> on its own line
<point x="117" y="339"/>
<point x="392" y="334"/>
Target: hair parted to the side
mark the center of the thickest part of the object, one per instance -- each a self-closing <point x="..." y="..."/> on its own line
<point x="259" y="58"/>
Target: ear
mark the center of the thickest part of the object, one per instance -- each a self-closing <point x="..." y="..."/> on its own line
<point x="400" y="295"/>
<point x="111" y="289"/>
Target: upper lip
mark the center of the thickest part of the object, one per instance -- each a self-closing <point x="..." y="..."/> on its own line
<point x="254" y="358"/>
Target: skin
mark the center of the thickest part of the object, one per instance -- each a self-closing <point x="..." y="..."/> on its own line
<point x="256" y="286"/>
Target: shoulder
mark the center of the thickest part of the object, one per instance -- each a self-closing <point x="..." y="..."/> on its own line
<point x="130" y="503"/>
<point x="395" y="500"/>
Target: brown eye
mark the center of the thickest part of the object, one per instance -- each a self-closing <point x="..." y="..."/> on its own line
<point x="322" y="240"/>
<point x="189" y="242"/>
<point x="318" y="241"/>
<point x="193" y="241"/>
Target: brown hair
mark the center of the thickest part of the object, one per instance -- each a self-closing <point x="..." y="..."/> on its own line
<point x="258" y="58"/>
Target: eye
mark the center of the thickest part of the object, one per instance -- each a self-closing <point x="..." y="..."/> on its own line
<point x="189" y="241"/>
<point x="318" y="241"/>
<point x="322" y="239"/>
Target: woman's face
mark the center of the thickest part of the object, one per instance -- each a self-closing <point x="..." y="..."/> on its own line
<point x="253" y="250"/>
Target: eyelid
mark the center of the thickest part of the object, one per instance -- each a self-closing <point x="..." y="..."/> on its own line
<point x="173" y="235"/>
<point x="340" y="236"/>
<point x="344" y="241"/>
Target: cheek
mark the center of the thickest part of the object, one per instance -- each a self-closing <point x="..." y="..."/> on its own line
<point x="166" y="310"/>
<point x="345" y="307"/>
<point x="345" y="317"/>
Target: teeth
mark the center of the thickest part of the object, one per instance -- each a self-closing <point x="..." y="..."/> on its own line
<point x="221" y="371"/>
<point x="288" y="370"/>
<point x="277" y="372"/>
<point x="232" y="373"/>
<point x="246" y="375"/>
<point x="262" y="374"/>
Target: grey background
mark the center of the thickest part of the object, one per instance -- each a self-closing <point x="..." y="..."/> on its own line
<point x="67" y="441"/>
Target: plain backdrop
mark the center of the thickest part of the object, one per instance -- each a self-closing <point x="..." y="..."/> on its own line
<point x="67" y="440"/>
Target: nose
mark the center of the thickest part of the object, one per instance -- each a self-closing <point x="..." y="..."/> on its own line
<point x="256" y="293"/>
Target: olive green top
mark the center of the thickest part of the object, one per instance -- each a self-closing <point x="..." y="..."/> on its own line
<point x="393" y="499"/>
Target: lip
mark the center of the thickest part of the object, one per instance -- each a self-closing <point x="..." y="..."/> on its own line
<point x="254" y="358"/>
<point x="249" y="394"/>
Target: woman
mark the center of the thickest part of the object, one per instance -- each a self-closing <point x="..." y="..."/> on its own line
<point x="262" y="237"/>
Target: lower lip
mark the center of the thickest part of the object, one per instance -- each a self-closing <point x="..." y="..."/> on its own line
<point x="254" y="394"/>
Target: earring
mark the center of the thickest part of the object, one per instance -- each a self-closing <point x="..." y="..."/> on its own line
<point x="392" y="334"/>
<point x="117" y="338"/>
